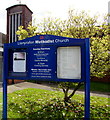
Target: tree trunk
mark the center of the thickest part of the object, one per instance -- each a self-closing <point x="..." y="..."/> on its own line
<point x="66" y="97"/>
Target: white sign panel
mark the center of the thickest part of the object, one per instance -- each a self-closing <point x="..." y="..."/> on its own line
<point x="69" y="62"/>
<point x="19" y="62"/>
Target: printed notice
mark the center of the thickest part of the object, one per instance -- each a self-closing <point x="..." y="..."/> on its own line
<point x="69" y="62"/>
<point x="19" y="62"/>
<point x="41" y="62"/>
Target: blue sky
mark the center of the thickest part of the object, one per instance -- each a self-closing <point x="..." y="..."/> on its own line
<point x="54" y="8"/>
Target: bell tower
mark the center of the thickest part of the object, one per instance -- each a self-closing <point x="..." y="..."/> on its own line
<point x="17" y="15"/>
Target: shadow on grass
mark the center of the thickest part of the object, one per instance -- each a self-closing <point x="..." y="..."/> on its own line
<point x="55" y="110"/>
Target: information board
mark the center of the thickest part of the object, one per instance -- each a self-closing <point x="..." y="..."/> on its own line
<point x="50" y="58"/>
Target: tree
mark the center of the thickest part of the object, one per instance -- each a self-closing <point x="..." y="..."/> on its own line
<point x="28" y="32"/>
<point x="78" y="25"/>
<point x="52" y="26"/>
<point x="66" y="86"/>
<point x="83" y="26"/>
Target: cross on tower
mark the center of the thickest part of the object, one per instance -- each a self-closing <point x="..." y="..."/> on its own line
<point x="19" y="1"/>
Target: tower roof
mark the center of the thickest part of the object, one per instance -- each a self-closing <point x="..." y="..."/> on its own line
<point x="19" y="5"/>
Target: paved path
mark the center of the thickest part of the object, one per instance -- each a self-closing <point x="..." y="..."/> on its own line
<point x="24" y="85"/>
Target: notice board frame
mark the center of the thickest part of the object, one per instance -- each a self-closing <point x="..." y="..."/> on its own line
<point x="49" y="40"/>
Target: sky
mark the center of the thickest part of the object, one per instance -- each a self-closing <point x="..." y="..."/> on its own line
<point x="55" y="8"/>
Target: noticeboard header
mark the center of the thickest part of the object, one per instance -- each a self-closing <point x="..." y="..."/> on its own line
<point x="46" y="40"/>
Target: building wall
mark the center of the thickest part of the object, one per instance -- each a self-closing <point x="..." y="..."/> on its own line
<point x="27" y="17"/>
<point x="2" y="38"/>
<point x="2" y="41"/>
<point x="17" y="15"/>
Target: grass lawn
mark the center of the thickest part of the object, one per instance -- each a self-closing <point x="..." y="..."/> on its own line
<point x="43" y="104"/>
<point x="94" y="86"/>
<point x="48" y="105"/>
<point x="100" y="87"/>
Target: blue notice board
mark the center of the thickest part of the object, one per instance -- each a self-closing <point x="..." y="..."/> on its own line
<point x="48" y="57"/>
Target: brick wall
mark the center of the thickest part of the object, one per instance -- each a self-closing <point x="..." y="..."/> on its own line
<point x="15" y="81"/>
<point x="105" y="79"/>
<point x="26" y="14"/>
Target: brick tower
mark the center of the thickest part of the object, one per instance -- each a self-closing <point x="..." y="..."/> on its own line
<point x="17" y="15"/>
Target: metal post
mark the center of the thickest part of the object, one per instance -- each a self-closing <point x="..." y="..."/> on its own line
<point x="4" y="99"/>
<point x="87" y="82"/>
<point x="87" y="101"/>
<point x="5" y="71"/>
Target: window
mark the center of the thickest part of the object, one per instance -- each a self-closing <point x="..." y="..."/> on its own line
<point x="15" y="20"/>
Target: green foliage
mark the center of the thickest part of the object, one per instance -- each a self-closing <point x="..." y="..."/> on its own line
<point x="81" y="25"/>
<point x="78" y="25"/>
<point x="22" y="33"/>
<point x="100" y="48"/>
<point x="52" y="26"/>
<point x="25" y="33"/>
<point x="100" y="63"/>
<point x="48" y="105"/>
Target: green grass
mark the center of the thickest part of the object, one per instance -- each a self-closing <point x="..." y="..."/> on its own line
<point x="100" y="87"/>
<point x="21" y="102"/>
<point x="48" y="105"/>
<point x="94" y="86"/>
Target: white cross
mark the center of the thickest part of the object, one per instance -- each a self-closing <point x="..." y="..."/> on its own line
<point x="19" y="1"/>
